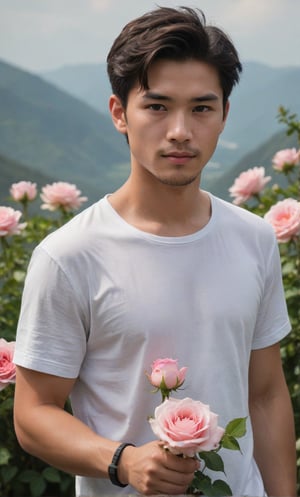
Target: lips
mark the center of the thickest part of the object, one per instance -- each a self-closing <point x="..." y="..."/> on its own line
<point x="179" y="155"/>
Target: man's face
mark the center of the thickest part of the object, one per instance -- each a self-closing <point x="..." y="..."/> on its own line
<point x="173" y="127"/>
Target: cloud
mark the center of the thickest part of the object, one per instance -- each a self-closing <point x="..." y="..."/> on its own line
<point x="50" y="33"/>
<point x="100" y="5"/>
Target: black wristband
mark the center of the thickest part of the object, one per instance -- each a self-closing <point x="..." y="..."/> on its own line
<point x="113" y="467"/>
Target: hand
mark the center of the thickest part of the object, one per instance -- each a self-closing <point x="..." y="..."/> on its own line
<point x="152" y="470"/>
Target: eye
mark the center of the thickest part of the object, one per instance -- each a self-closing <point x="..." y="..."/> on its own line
<point x="202" y="108"/>
<point x="156" y="107"/>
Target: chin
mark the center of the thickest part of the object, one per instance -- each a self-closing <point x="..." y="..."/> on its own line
<point x="179" y="180"/>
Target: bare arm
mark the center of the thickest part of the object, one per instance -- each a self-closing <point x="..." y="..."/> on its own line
<point x="273" y="422"/>
<point x="48" y="432"/>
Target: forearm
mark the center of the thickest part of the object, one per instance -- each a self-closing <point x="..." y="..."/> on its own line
<point x="64" y="442"/>
<point x="274" y="444"/>
<point x="47" y="431"/>
<point x="60" y="439"/>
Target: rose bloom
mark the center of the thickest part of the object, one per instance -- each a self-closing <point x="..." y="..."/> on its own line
<point x="166" y="370"/>
<point x="186" y="426"/>
<point x="7" y="367"/>
<point x="24" y="190"/>
<point x="61" y="195"/>
<point x="285" y="219"/>
<point x="9" y="221"/>
<point x="286" y="159"/>
<point x="248" y="183"/>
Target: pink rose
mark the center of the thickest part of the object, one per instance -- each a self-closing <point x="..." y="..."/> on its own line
<point x="61" y="195"/>
<point x="24" y="190"/>
<point x="248" y="183"/>
<point x="186" y="426"/>
<point x="165" y="372"/>
<point x="286" y="159"/>
<point x="285" y="219"/>
<point x="7" y="367"/>
<point x="9" y="221"/>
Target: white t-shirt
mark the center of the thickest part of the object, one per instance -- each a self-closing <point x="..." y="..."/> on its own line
<point x="103" y="300"/>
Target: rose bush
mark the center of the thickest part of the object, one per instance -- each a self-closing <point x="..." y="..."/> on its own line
<point x="279" y="205"/>
<point x="186" y="426"/>
<point x="7" y="367"/>
<point x="20" y="473"/>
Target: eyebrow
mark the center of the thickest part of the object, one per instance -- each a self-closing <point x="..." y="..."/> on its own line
<point x="149" y="95"/>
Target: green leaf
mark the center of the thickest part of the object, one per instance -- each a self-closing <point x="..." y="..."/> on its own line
<point x="28" y="475"/>
<point x="229" y="442"/>
<point x="52" y="475"/>
<point x="37" y="486"/>
<point x="288" y="267"/>
<point x="8" y="473"/>
<point x="212" y="460"/>
<point x="236" y="428"/>
<point x="292" y="292"/>
<point x="6" y="405"/>
<point x="220" y="488"/>
<point x="4" y="456"/>
<point x="203" y="483"/>
<point x="19" y="276"/>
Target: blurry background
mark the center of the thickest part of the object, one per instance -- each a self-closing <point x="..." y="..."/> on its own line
<point x="54" y="122"/>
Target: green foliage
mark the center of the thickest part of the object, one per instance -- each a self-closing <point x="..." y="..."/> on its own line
<point x="236" y="427"/>
<point x="290" y="260"/>
<point x="20" y="473"/>
<point x="212" y="460"/>
<point x="204" y="486"/>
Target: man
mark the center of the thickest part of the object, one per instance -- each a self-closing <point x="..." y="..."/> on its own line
<point x="159" y="268"/>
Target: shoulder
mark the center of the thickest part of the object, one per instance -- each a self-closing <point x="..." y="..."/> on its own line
<point x="240" y="216"/>
<point x="244" y="227"/>
<point x="77" y="234"/>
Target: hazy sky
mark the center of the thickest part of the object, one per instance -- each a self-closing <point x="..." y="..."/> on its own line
<point x="46" y="34"/>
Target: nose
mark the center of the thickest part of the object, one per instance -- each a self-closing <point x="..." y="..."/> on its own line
<point x="179" y="128"/>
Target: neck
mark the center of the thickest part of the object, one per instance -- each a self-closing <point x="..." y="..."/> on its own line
<point x="164" y="210"/>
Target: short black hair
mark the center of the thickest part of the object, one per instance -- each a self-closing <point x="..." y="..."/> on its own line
<point x="174" y="34"/>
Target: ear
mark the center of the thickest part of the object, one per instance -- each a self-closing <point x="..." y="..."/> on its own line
<point x="118" y="115"/>
<point x="226" y="112"/>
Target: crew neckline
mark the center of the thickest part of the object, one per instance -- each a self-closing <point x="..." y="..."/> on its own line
<point x="159" y="238"/>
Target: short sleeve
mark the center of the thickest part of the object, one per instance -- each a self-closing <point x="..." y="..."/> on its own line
<point x="272" y="322"/>
<point x="51" y="334"/>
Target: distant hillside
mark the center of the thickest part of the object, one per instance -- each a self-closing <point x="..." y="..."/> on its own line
<point x="88" y="82"/>
<point x="59" y="135"/>
<point x="12" y="172"/>
<point x="262" y="156"/>
<point x="254" y="103"/>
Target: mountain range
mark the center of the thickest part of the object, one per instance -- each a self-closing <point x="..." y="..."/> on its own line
<point x="254" y="103"/>
<point x="58" y="135"/>
<point x="54" y="127"/>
